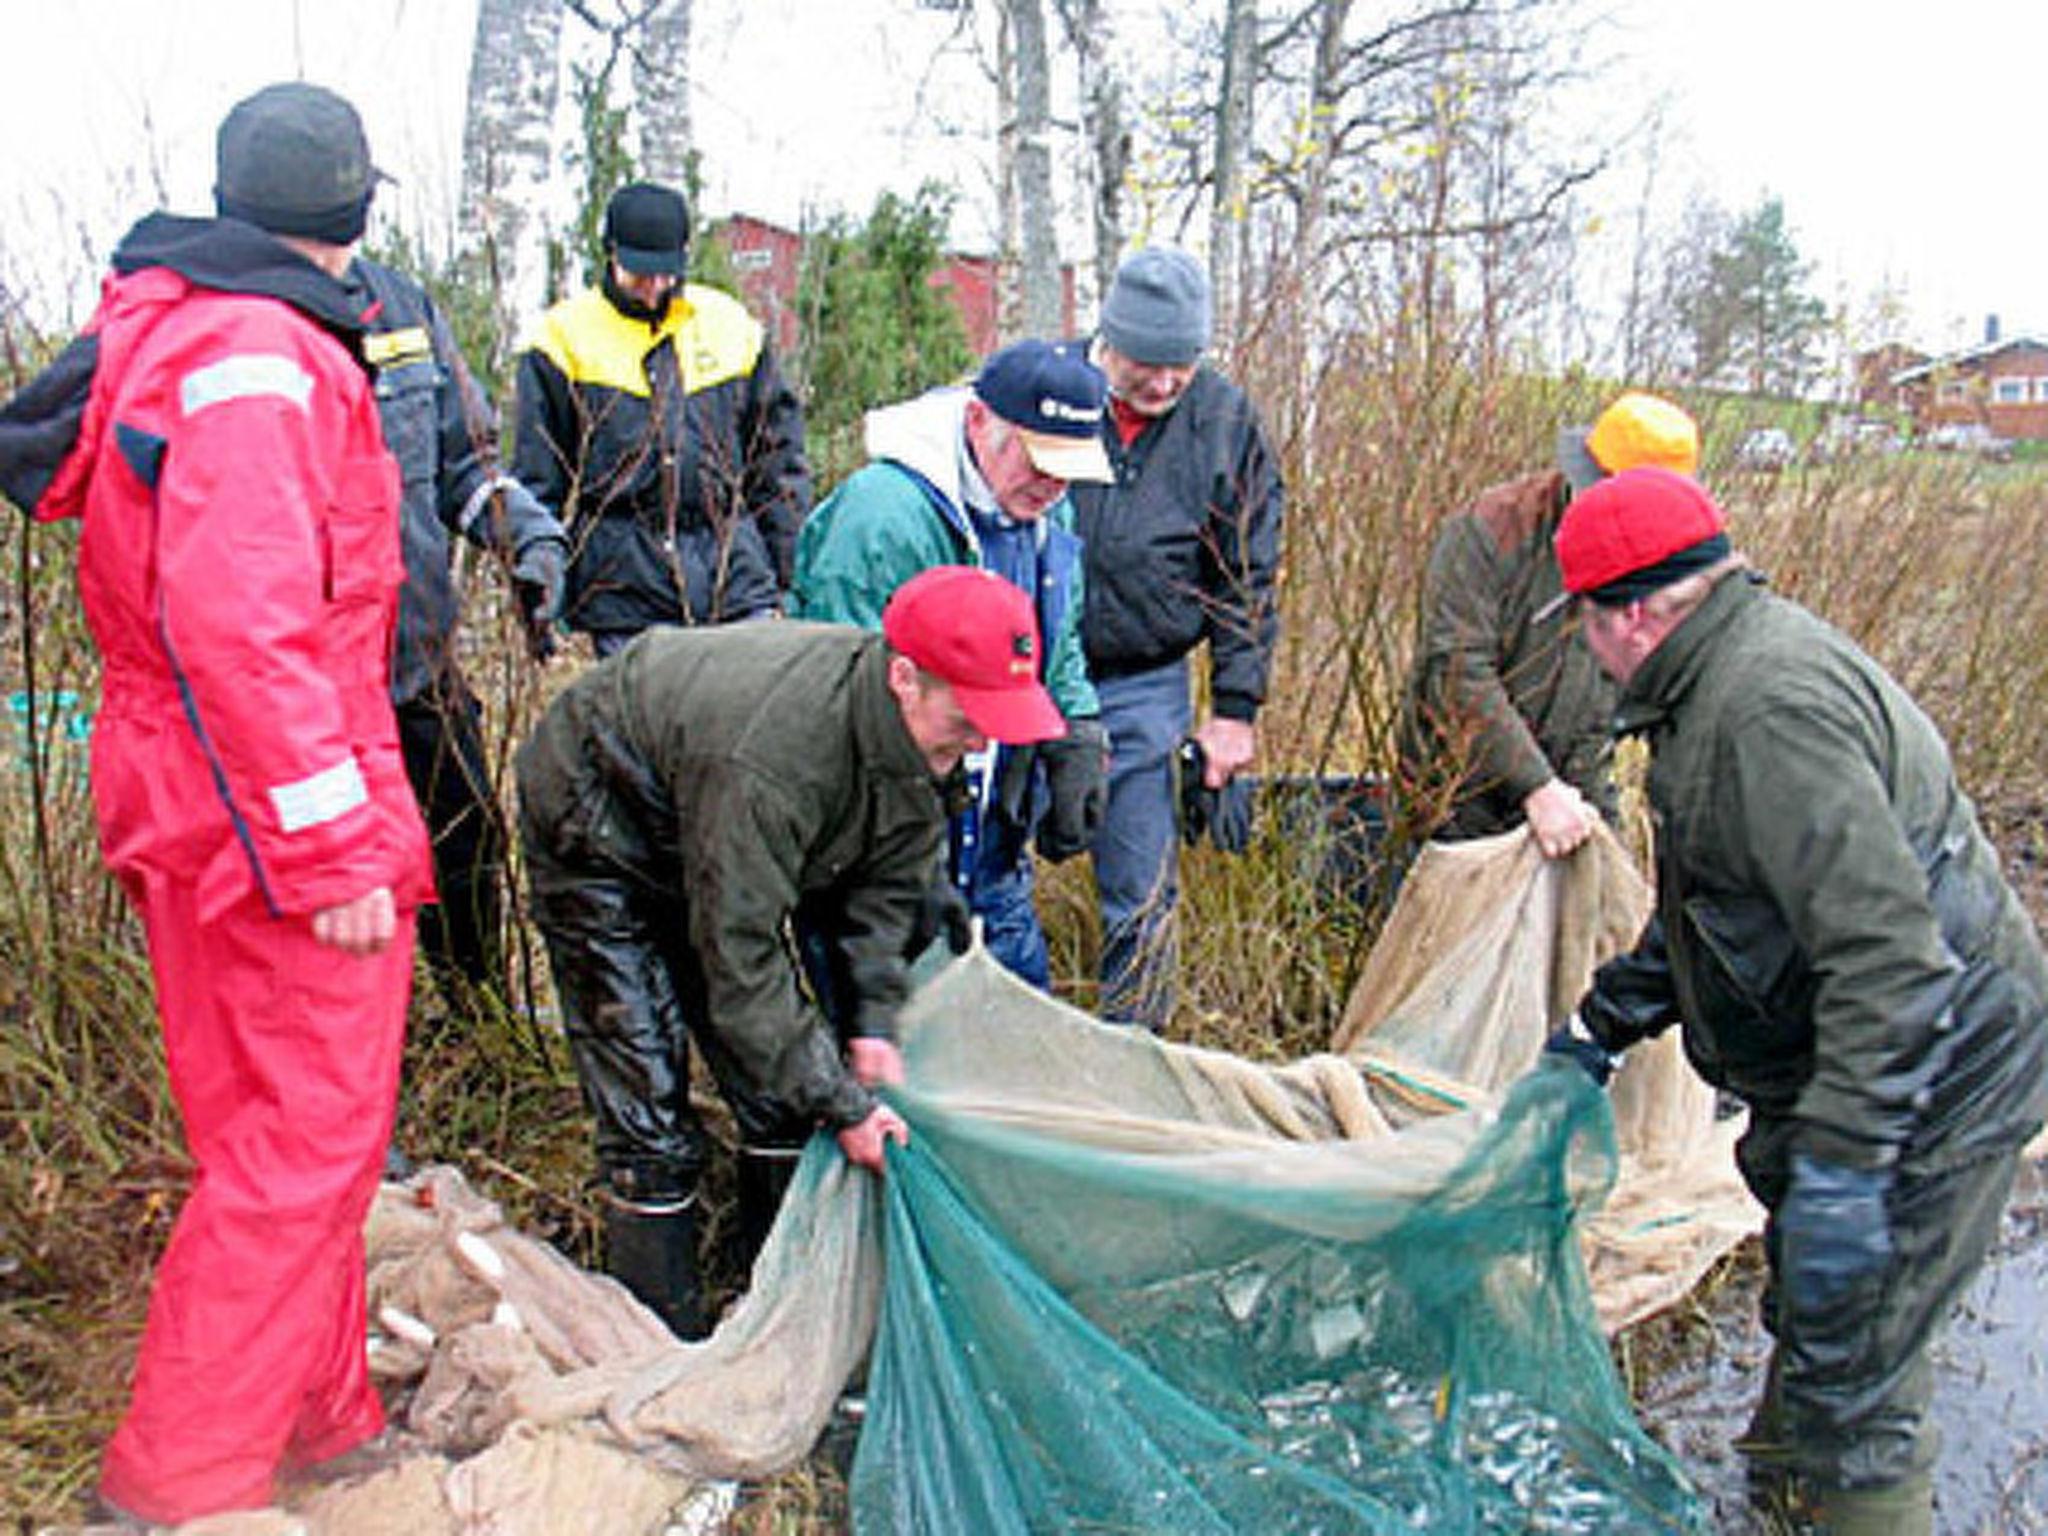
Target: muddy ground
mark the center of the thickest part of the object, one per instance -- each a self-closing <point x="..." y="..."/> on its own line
<point x="1991" y="1394"/>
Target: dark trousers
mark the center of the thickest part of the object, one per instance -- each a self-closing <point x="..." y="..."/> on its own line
<point x="1853" y="1382"/>
<point x="462" y="935"/>
<point x="632" y="995"/>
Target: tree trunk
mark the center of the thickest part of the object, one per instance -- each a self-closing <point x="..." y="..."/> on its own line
<point x="1038" y="262"/>
<point x="1229" y="213"/>
<point x="508" y="153"/>
<point x="1325" y="101"/>
<point x="661" y="86"/>
<point x="1009" y="300"/>
<point x="1089" y="28"/>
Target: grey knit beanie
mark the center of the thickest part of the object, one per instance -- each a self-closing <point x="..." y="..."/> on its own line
<point x="1158" y="308"/>
<point x="292" y="159"/>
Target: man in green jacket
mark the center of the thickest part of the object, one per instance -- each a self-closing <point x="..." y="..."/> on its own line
<point x="1835" y="934"/>
<point x="978" y="476"/>
<point x="1506" y="716"/>
<point x="682" y="806"/>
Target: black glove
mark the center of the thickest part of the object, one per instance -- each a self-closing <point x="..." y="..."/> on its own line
<point x="1077" y="779"/>
<point x="1230" y="816"/>
<point x="1194" y="800"/>
<point x="1567" y="1043"/>
<point x="537" y="572"/>
<point x="1014" y="770"/>
<point x="942" y="913"/>
<point x="1834" y="1233"/>
<point x="1224" y="816"/>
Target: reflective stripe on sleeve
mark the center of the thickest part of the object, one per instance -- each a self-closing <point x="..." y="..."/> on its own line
<point x="243" y="376"/>
<point x="480" y="500"/>
<point x="327" y="796"/>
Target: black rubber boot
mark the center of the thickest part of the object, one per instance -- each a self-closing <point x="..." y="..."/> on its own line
<point x="763" y="1176"/>
<point x="651" y="1248"/>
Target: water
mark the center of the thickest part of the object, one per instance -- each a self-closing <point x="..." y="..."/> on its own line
<point x="1991" y="1393"/>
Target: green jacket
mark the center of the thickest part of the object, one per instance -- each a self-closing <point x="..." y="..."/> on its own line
<point x="905" y="512"/>
<point x="748" y="769"/>
<point x="1499" y="700"/>
<point x="1842" y="947"/>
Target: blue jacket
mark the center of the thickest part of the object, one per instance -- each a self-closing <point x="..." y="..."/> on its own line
<point x="441" y="429"/>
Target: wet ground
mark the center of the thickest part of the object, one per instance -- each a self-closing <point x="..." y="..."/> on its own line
<point x="1991" y="1395"/>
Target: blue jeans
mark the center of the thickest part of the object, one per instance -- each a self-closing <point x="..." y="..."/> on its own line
<point x="1137" y="852"/>
<point x="999" y="892"/>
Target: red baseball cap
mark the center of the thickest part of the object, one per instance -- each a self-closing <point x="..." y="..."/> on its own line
<point x="1637" y="531"/>
<point x="977" y="632"/>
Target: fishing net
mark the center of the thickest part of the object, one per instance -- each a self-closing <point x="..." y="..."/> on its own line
<point x="1137" y="1286"/>
<point x="1128" y="1285"/>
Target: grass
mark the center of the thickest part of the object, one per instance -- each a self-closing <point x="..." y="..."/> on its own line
<point x="1930" y="563"/>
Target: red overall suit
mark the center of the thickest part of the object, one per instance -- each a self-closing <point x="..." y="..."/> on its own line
<point x="239" y="566"/>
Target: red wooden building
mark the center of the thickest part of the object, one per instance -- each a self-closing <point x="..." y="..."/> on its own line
<point x="767" y="260"/>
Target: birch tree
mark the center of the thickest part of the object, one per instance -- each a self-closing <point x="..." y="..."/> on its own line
<point x="661" y="91"/>
<point x="1091" y="34"/>
<point x="1230" y="201"/>
<point x="1028" y="129"/>
<point x="508" y="152"/>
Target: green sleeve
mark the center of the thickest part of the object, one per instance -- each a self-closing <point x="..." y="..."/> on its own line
<point x="866" y="539"/>
<point x="1460" y="692"/>
<point x="1066" y="666"/>
<point x="743" y="843"/>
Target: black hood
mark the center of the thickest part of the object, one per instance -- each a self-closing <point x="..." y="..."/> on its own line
<point x="230" y="256"/>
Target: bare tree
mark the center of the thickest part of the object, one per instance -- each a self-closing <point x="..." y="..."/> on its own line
<point x="1230" y="199"/>
<point x="1028" y="130"/>
<point x="1090" y="31"/>
<point x="661" y="89"/>
<point x="1399" y="159"/>
<point x="508" y="150"/>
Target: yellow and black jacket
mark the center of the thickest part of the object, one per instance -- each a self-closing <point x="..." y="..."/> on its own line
<point x="671" y="449"/>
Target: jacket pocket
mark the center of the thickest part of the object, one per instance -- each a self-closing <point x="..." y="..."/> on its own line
<point x="360" y="532"/>
<point x="1748" y="990"/>
<point x="409" y="405"/>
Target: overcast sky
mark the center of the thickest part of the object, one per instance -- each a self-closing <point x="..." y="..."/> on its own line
<point x="1904" y="140"/>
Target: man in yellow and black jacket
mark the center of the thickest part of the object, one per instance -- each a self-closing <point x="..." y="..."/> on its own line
<point x="653" y="421"/>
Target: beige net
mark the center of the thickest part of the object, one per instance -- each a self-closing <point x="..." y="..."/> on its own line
<point x="1489" y="945"/>
<point x="545" y="1399"/>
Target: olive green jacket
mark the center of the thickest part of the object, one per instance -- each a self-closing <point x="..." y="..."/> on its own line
<point x="1842" y="948"/>
<point x="1501" y="696"/>
<point x="754" y="767"/>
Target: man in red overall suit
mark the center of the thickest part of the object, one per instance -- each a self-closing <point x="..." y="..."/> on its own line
<point x="239" y="565"/>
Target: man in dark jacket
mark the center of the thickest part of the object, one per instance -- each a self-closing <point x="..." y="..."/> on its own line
<point x="652" y="420"/>
<point x="440" y="428"/>
<point x="687" y="801"/>
<point x="1833" y="930"/>
<point x="1181" y="551"/>
<point x="1506" y="716"/>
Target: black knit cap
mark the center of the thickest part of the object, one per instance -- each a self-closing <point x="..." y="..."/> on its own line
<point x="293" y="159"/>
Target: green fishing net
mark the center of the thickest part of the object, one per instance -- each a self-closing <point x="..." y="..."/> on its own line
<point x="1137" y="1287"/>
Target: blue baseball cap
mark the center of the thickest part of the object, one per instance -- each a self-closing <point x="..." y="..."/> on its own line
<point x="1054" y="397"/>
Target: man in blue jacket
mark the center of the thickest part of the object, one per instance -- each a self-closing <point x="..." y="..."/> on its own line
<point x="441" y="429"/>
<point x="978" y="476"/>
